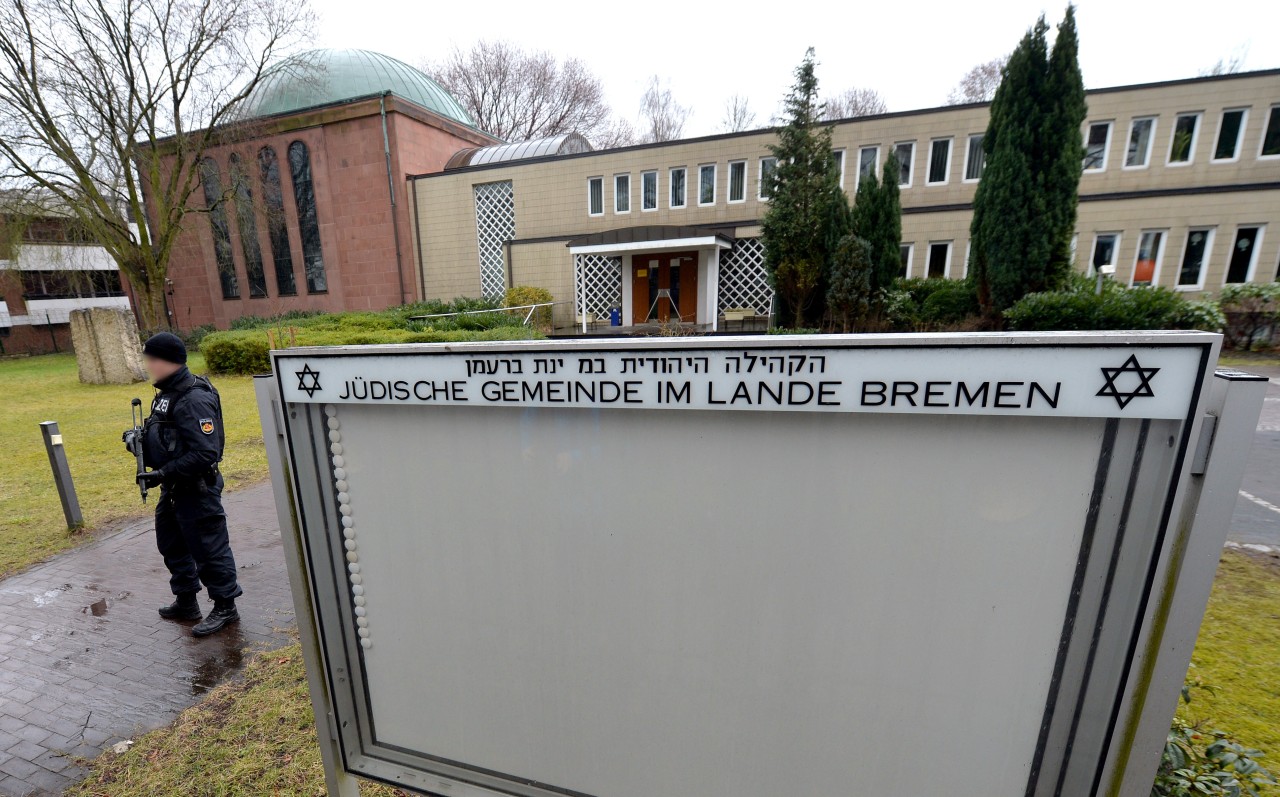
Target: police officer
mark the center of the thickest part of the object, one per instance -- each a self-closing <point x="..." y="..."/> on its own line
<point x="182" y="445"/>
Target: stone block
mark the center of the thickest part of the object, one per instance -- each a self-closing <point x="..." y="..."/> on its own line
<point x="107" y="348"/>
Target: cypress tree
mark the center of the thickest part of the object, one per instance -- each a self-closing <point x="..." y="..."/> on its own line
<point x="877" y="219"/>
<point x="807" y="209"/>
<point x="1025" y="205"/>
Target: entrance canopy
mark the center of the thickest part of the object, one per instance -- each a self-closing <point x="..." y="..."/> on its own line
<point x="652" y="238"/>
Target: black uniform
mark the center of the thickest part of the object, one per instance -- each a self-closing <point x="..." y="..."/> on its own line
<point x="183" y="437"/>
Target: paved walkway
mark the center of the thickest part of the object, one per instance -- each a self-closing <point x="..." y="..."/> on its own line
<point x="86" y="662"/>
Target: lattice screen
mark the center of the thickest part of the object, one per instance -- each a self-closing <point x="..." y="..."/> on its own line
<point x="599" y="277"/>
<point x="495" y="225"/>
<point x="743" y="280"/>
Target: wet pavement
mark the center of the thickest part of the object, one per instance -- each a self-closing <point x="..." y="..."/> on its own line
<point x="1256" y="520"/>
<point x="86" y="662"/>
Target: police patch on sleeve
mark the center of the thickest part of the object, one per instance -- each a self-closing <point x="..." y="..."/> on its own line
<point x="206" y="425"/>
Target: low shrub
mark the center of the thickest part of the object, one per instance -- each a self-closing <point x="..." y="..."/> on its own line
<point x="919" y="304"/>
<point x="1208" y="763"/>
<point x="1251" y="314"/>
<point x="1080" y="307"/>
<point x="247" y="351"/>
<point x="949" y="304"/>
<point x="527" y="294"/>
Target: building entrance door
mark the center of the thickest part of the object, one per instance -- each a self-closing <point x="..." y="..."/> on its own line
<point x="664" y="286"/>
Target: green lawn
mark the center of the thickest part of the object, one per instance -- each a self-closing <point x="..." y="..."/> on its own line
<point x="91" y="418"/>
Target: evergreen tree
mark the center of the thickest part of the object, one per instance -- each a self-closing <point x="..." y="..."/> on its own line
<point x="877" y="219"/>
<point x="849" y="283"/>
<point x="806" y="206"/>
<point x="1025" y="206"/>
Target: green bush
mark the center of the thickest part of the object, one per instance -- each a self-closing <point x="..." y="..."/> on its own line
<point x="913" y="305"/>
<point x="1207" y="763"/>
<point x="1251" y="313"/>
<point x="1080" y="307"/>
<point x="246" y="351"/>
<point x="527" y="294"/>
<point x="949" y="304"/>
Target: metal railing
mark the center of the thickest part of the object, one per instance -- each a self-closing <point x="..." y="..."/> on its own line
<point x="532" y="308"/>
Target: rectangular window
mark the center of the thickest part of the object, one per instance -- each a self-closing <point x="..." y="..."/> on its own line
<point x="767" y="167"/>
<point x="1096" y="146"/>
<point x="648" y="190"/>
<point x="1105" y="247"/>
<point x="1244" y="253"/>
<point x="1146" y="267"/>
<point x="1141" y="132"/>
<point x="707" y="184"/>
<point x="677" y="187"/>
<point x="838" y="155"/>
<point x="1230" y="131"/>
<point x="939" y="259"/>
<point x="622" y="193"/>
<point x="738" y="181"/>
<point x="939" y="161"/>
<point x="868" y="161"/>
<point x="906" y="152"/>
<point x="974" y="159"/>
<point x="1194" y="257"/>
<point x="904" y="255"/>
<point x="595" y="196"/>
<point x="1271" y="136"/>
<point x="1186" y="132"/>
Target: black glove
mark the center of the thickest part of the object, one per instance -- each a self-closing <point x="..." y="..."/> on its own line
<point x="151" y="478"/>
<point x="128" y="438"/>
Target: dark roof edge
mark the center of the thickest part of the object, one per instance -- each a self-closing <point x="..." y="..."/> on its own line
<point x="848" y="120"/>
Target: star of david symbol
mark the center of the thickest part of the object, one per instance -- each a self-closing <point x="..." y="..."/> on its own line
<point x="308" y="380"/>
<point x="1140" y="381"/>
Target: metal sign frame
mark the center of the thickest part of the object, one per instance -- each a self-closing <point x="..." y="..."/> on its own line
<point x="1124" y="642"/>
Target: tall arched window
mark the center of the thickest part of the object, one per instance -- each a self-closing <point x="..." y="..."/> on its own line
<point x="217" y="210"/>
<point x="304" y="195"/>
<point x="248" y="225"/>
<point x="277" y="230"/>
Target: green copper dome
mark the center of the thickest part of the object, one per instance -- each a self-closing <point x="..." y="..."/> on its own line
<point x="323" y="77"/>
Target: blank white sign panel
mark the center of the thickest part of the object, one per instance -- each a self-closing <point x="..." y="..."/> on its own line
<point x="733" y="568"/>
<point x="782" y="646"/>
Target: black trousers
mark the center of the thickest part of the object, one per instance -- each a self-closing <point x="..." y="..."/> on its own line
<point x="191" y="533"/>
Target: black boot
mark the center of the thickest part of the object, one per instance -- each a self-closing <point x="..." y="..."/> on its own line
<point x="224" y="614"/>
<point x="184" y="608"/>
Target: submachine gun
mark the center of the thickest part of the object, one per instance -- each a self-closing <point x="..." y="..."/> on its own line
<point x="133" y="442"/>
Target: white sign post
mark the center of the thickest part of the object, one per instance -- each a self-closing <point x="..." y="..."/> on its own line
<point x="729" y="567"/>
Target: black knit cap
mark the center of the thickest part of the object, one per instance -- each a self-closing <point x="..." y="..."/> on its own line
<point x="166" y="346"/>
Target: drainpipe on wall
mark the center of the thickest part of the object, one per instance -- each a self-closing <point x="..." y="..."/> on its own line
<point x="391" y="191"/>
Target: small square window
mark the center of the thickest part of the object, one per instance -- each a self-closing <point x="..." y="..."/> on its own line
<point x="939" y="161"/>
<point x="707" y="184"/>
<point x="767" y="167"/>
<point x="677" y="187"/>
<point x="838" y="155"/>
<point x="1105" y="247"/>
<point x="595" y="196"/>
<point x="1186" y="132"/>
<point x="1195" y="256"/>
<point x="1095" y="147"/>
<point x="1138" y="154"/>
<point x="906" y="153"/>
<point x="904" y="256"/>
<point x="1146" y="266"/>
<point x="622" y="193"/>
<point x="738" y="181"/>
<point x="649" y="191"/>
<point x="1230" y="132"/>
<point x="1244" y="254"/>
<point x="975" y="159"/>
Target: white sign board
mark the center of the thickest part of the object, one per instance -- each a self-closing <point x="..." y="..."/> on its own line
<point x="737" y="567"/>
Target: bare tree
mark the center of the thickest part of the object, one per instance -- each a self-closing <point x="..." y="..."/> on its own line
<point x="738" y="115"/>
<point x="855" y="102"/>
<point x="980" y="83"/>
<point x="618" y="133"/>
<point x="110" y="105"/>
<point x="1230" y="65"/>
<point x="661" y="117"/>
<point x="517" y="95"/>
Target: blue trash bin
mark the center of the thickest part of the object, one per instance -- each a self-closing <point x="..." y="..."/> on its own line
<point x="615" y="316"/>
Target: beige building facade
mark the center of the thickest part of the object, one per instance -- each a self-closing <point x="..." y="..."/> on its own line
<point x="1181" y="188"/>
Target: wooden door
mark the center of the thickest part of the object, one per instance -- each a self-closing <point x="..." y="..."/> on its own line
<point x="676" y="273"/>
<point x="688" y="280"/>
<point x="645" y="270"/>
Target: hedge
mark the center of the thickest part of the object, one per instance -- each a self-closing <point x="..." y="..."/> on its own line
<point x="247" y="351"/>
<point x="1116" y="307"/>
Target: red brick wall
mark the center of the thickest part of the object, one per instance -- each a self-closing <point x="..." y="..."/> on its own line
<point x="27" y="339"/>
<point x="349" y="172"/>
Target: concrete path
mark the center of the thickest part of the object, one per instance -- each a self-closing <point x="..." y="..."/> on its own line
<point x="86" y="662"/>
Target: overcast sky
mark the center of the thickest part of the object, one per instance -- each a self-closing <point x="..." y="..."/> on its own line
<point x="911" y="53"/>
